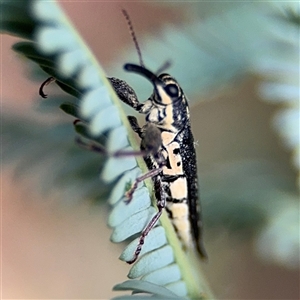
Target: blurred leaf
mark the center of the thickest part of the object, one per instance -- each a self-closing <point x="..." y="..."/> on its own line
<point x="70" y="109"/>
<point x="145" y="287"/>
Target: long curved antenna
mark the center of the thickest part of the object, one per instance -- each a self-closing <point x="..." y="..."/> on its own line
<point x="130" y="26"/>
<point x="142" y="71"/>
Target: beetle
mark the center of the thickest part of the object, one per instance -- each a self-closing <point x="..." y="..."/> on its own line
<point x="173" y="165"/>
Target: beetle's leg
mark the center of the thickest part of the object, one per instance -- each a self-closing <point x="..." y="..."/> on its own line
<point x="135" y="126"/>
<point x="100" y="149"/>
<point x="161" y="203"/>
<point x="150" y="174"/>
<point x="126" y="93"/>
<point x="151" y="143"/>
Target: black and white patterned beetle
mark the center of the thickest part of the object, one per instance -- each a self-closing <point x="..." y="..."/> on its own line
<point x="173" y="165"/>
<point x="171" y="157"/>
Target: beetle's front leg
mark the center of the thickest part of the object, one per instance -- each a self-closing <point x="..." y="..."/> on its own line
<point x="126" y="93"/>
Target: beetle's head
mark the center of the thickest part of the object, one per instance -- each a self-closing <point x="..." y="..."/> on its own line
<point x="166" y="89"/>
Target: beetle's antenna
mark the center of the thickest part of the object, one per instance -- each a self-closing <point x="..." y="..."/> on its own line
<point x="130" y="26"/>
<point x="165" y="66"/>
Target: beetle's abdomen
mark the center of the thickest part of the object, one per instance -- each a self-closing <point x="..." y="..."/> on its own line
<point x="177" y="185"/>
<point x="178" y="211"/>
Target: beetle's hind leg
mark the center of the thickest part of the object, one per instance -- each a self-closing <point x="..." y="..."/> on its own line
<point x="161" y="204"/>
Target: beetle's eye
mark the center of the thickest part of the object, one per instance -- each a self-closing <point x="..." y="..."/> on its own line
<point x="172" y="90"/>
